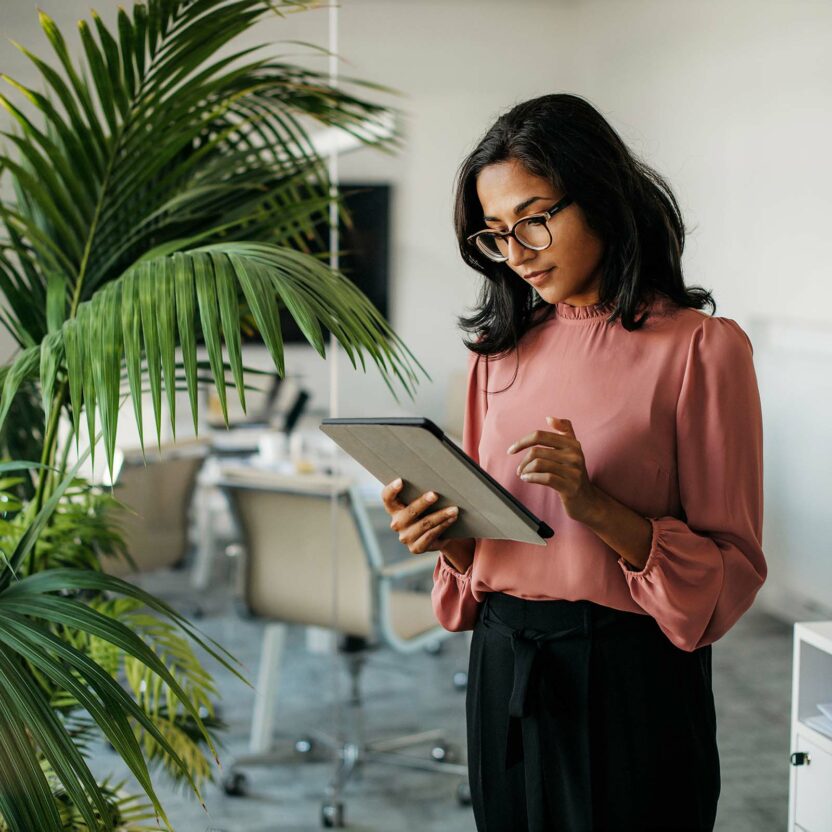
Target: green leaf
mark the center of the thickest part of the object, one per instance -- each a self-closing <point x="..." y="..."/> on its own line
<point x="206" y="293"/>
<point x="131" y="332"/>
<point x="79" y="617"/>
<point x="227" y="288"/>
<point x="51" y="356"/>
<point x="107" y="354"/>
<point x="98" y="693"/>
<point x="185" y="292"/>
<point x="24" y="367"/>
<point x="149" y="311"/>
<point x="30" y="536"/>
<point x="166" y="305"/>
<point x="259" y="292"/>
<point x="24" y="785"/>
<point x="55" y="580"/>
<point x="74" y="355"/>
<point x="30" y="707"/>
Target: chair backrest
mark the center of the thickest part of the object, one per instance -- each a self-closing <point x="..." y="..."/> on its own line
<point x="455" y="404"/>
<point x="159" y="494"/>
<point x="288" y="573"/>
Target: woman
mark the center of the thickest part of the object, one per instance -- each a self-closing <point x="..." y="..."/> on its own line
<point x="630" y="422"/>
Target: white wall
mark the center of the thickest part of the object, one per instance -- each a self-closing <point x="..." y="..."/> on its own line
<point x="794" y="368"/>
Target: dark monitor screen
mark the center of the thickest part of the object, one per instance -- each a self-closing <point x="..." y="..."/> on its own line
<point x="365" y="250"/>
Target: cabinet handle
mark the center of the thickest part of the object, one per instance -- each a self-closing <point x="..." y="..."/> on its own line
<point x="800" y="758"/>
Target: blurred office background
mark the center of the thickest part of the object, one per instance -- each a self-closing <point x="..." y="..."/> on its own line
<point x="731" y="100"/>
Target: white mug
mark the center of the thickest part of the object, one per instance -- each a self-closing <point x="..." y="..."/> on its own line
<point x="272" y="446"/>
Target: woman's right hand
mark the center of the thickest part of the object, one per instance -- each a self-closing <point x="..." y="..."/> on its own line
<point x="422" y="534"/>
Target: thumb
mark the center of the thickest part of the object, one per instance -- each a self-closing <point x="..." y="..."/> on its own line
<point x="561" y="425"/>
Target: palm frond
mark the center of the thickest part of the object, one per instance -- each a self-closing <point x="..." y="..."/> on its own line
<point x="26" y="607"/>
<point x="223" y="150"/>
<point x="129" y="811"/>
<point x="79" y="532"/>
<point x="30" y="707"/>
<point x="155" y="304"/>
<point x="152" y="694"/>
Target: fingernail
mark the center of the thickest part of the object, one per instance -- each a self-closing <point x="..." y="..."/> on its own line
<point x="397" y="482"/>
<point x="431" y="497"/>
<point x="453" y="510"/>
<point x="510" y="449"/>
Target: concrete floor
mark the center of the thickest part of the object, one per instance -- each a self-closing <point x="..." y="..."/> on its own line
<point x="752" y="684"/>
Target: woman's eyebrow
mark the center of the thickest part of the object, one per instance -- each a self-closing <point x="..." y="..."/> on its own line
<point x="518" y="208"/>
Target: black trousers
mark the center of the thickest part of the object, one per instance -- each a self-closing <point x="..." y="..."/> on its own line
<point x="581" y="717"/>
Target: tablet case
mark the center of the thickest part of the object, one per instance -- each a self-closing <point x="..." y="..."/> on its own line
<point x="418" y="451"/>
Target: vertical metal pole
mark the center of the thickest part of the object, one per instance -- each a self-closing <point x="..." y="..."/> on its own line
<point x="338" y="728"/>
<point x="333" y="208"/>
<point x="268" y="684"/>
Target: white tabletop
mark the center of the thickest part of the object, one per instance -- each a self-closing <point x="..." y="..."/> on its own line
<point x="309" y="465"/>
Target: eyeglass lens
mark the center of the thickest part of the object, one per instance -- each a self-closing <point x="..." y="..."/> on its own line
<point x="533" y="233"/>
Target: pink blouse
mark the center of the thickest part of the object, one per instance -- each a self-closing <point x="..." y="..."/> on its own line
<point x="669" y="420"/>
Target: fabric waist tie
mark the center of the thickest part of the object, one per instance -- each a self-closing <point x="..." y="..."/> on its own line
<point x="525" y="644"/>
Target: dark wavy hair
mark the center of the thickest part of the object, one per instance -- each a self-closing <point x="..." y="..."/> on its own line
<point x="565" y="140"/>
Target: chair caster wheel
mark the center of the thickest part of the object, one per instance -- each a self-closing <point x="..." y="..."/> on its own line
<point x="332" y="815"/>
<point x="443" y="752"/>
<point x="460" y="680"/>
<point x="463" y="793"/>
<point x="235" y="784"/>
<point x="305" y="745"/>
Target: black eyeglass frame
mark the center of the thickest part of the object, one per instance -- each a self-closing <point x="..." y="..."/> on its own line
<point x="473" y="240"/>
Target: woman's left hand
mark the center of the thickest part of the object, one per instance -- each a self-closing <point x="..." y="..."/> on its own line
<point x="555" y="459"/>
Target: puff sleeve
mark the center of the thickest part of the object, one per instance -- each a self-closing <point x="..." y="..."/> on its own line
<point x="703" y="572"/>
<point x="454" y="604"/>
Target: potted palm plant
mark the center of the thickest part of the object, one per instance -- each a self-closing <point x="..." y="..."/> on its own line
<point x="163" y="191"/>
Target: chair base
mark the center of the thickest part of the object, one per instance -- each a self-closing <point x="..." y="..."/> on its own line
<point x="351" y="757"/>
<point x="351" y="753"/>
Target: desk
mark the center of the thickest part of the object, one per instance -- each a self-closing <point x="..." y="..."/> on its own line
<point x="211" y="510"/>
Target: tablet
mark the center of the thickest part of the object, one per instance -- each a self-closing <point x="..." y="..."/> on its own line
<point x="418" y="451"/>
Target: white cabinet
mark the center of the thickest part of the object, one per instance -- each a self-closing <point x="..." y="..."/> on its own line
<point x="810" y="783"/>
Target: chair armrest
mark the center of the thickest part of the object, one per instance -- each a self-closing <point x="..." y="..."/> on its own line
<point x="415" y="565"/>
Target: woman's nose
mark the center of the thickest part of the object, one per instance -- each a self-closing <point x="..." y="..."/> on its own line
<point x="517" y="254"/>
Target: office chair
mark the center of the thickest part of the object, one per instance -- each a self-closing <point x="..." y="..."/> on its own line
<point x="286" y="526"/>
<point x="157" y="496"/>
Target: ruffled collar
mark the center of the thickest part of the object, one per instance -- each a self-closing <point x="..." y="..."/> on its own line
<point x="580" y="313"/>
<point x="655" y="302"/>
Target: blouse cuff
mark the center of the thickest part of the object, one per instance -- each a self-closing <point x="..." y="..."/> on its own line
<point x="446" y="566"/>
<point x="655" y="553"/>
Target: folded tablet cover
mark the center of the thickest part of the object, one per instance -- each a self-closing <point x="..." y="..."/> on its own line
<point x="417" y="450"/>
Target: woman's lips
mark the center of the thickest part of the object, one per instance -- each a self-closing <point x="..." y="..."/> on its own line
<point x="538" y="278"/>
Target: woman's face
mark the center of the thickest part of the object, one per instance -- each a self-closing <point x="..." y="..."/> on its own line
<point x="573" y="260"/>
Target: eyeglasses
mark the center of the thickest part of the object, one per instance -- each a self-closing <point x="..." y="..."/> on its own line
<point x="531" y="232"/>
